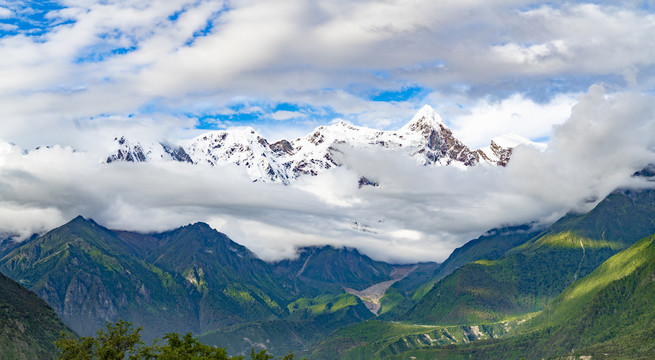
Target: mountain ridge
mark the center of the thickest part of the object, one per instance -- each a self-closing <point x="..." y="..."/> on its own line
<point x="190" y="279"/>
<point x="545" y="297"/>
<point x="425" y="138"/>
<point x="529" y="275"/>
<point x="493" y="287"/>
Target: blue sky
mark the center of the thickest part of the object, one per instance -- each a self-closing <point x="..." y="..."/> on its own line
<point x="180" y="66"/>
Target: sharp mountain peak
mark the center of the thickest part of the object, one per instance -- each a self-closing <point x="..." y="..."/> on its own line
<point x="426" y="117"/>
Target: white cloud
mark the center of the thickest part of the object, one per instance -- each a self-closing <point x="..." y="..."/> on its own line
<point x="5" y="13"/>
<point x="8" y="27"/>
<point x="487" y="118"/>
<point x="286" y="115"/>
<point x="325" y="54"/>
<point x="66" y="87"/>
<point x="418" y="212"/>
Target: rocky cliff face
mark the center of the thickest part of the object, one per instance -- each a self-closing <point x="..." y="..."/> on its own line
<point x="436" y="143"/>
<point x="500" y="149"/>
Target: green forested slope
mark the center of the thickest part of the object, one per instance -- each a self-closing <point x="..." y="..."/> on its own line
<point x="404" y="294"/>
<point x="330" y="267"/>
<point x="528" y="302"/>
<point x="191" y="279"/>
<point x="609" y="314"/>
<point x="489" y="246"/>
<point x="28" y="326"/>
<point x="530" y="275"/>
<point x="611" y="310"/>
<point x="310" y="321"/>
<point x="85" y="273"/>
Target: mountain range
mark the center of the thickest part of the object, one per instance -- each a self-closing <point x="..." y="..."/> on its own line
<point x="579" y="287"/>
<point x="425" y="139"/>
<point x="193" y="279"/>
<point x="527" y="302"/>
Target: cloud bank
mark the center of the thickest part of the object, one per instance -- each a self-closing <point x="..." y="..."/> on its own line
<point x="417" y="214"/>
<point x="77" y="73"/>
<point x="84" y="63"/>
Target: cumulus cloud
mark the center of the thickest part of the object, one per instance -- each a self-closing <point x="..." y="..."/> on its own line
<point x="490" y="118"/>
<point x="418" y="213"/>
<point x="147" y="57"/>
<point x="286" y="115"/>
<point x="606" y="138"/>
<point x="5" y="13"/>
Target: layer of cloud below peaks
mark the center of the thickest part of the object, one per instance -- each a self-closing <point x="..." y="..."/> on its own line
<point x="419" y="213"/>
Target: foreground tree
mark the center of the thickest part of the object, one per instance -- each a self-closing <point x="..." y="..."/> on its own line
<point x="185" y="347"/>
<point x="121" y="341"/>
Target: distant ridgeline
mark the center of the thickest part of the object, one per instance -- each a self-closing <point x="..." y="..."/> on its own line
<point x="580" y="287"/>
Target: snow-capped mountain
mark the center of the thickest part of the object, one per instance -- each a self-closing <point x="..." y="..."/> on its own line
<point x="500" y="149"/>
<point x="240" y="146"/>
<point x="136" y="152"/>
<point x="425" y="138"/>
<point x="436" y="142"/>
